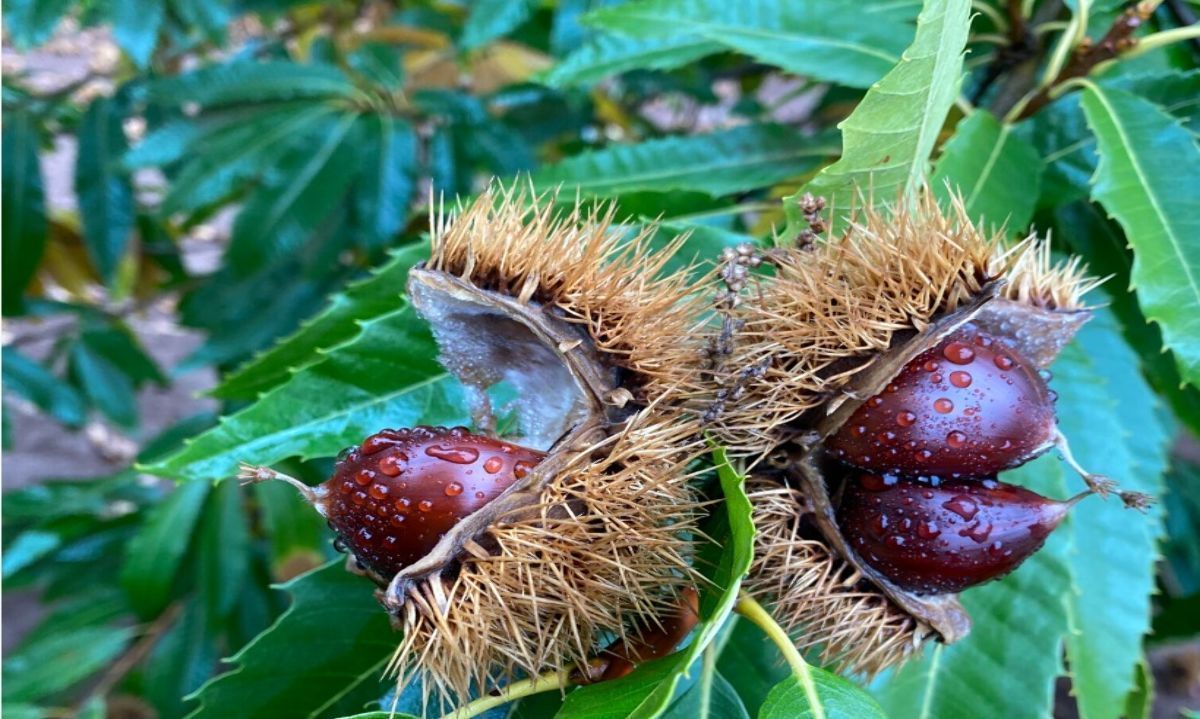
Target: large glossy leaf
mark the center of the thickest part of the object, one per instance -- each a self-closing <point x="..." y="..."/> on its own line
<point x="105" y="194"/>
<point x="997" y="172"/>
<point x="106" y="387"/>
<point x="837" y="698"/>
<point x="36" y="384"/>
<point x="182" y="660"/>
<point x="309" y="182"/>
<point x="491" y="19"/>
<point x="324" y="657"/>
<point x="887" y="140"/>
<point x="155" y="553"/>
<point x="43" y="668"/>
<point x="386" y="176"/>
<point x="219" y="160"/>
<point x="1102" y="245"/>
<point x="223" y="551"/>
<point x="648" y="691"/>
<point x="247" y="81"/>
<point x="803" y="36"/>
<point x="1149" y="169"/>
<point x="381" y="293"/>
<point x="384" y="185"/>
<point x="750" y="662"/>
<point x="23" y="209"/>
<point x="720" y="163"/>
<point x="30" y="22"/>
<point x="386" y="377"/>
<point x="1108" y="412"/>
<point x="1067" y="145"/>
<point x="135" y="27"/>
<point x="607" y="55"/>
<point x="711" y="697"/>
<point x="1087" y="589"/>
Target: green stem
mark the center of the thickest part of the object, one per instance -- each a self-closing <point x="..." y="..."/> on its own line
<point x="549" y="681"/>
<point x="752" y="610"/>
<point x="1161" y="39"/>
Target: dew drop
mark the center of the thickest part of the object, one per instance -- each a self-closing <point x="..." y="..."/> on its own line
<point x="960" y="379"/>
<point x="390" y="541"/>
<point x="392" y="464"/>
<point x="891" y="389"/>
<point x="943" y="405"/>
<point x="963" y="506"/>
<point x="886" y="437"/>
<point x="364" y="476"/>
<point x="378" y="491"/>
<point x="348" y="486"/>
<point x="956" y="439"/>
<point x="978" y="531"/>
<point x="520" y="469"/>
<point x="425" y="505"/>
<point x="896" y="540"/>
<point x="453" y="489"/>
<point x="959" y="353"/>
<point x="905" y="418"/>
<point x="928" y="530"/>
<point x="922" y="455"/>
<point x="875" y="402"/>
<point x="858" y="430"/>
<point x="880" y="524"/>
<point x="365" y="534"/>
<point x="480" y="495"/>
<point x="493" y="465"/>
<point x="929" y="366"/>
<point x="1046" y="374"/>
<point x="936" y="378"/>
<point x="403" y="505"/>
<point x="984" y="341"/>
<point x="1003" y="362"/>
<point x="397" y="519"/>
<point x="358" y="497"/>
<point x="456" y="455"/>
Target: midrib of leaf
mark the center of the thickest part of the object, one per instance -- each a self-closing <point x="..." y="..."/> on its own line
<point x="989" y="165"/>
<point x="927" y="696"/>
<point x="927" y="126"/>
<point x="293" y="430"/>
<point x="1150" y="197"/>
<point x="250" y="151"/>
<point x="935" y="41"/>
<point x="710" y="167"/>
<point x="795" y="37"/>
<point x="280" y="207"/>
<point x="22" y="133"/>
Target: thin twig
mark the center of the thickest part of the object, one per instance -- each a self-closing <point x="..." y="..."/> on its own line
<point x="1086" y="56"/>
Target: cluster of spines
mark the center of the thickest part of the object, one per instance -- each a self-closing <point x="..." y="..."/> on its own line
<point x="525" y="245"/>
<point x="820" y="599"/>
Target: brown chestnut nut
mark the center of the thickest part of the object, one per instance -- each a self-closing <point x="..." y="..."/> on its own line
<point x="934" y="536"/>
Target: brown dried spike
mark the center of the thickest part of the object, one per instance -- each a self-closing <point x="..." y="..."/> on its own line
<point x="816" y="596"/>
<point x="603" y="550"/>
<point x="519" y="243"/>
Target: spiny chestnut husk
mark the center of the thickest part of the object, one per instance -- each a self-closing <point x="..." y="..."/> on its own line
<point x="513" y="556"/>
<point x="849" y="351"/>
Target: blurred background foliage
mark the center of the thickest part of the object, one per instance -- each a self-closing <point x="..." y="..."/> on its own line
<point x="260" y="172"/>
